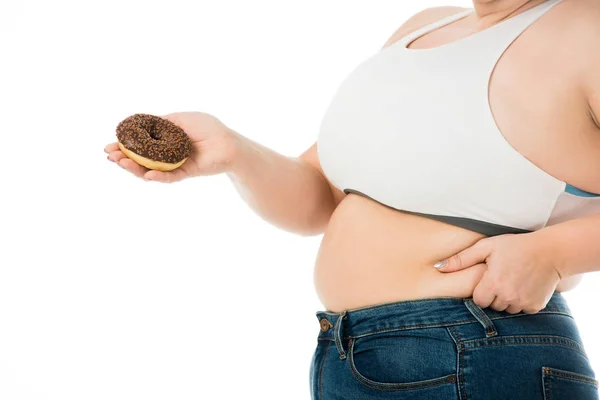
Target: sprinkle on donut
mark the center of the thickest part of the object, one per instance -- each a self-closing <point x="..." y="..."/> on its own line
<point x="154" y="137"/>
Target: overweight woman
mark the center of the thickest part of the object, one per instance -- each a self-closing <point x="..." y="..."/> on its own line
<point x="456" y="181"/>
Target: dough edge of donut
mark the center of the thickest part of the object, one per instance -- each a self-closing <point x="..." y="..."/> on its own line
<point x="148" y="163"/>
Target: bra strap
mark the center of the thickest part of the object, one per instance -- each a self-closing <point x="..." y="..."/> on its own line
<point x="433" y="26"/>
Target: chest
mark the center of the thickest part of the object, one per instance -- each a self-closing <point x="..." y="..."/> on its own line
<point x="448" y="104"/>
<point x="538" y="105"/>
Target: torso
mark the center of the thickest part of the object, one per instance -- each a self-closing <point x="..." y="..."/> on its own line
<point x="372" y="254"/>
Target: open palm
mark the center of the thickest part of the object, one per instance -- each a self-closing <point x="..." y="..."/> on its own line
<point x="212" y="149"/>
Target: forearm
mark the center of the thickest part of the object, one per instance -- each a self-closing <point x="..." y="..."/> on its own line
<point x="574" y="245"/>
<point x="285" y="191"/>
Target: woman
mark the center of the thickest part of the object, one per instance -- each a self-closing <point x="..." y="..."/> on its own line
<point x="454" y="179"/>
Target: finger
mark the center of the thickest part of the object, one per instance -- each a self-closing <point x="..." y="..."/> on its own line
<point x="165" y="176"/>
<point x="111" y="147"/>
<point x="133" y="167"/>
<point x="116" y="156"/>
<point x="483" y="296"/>
<point x="532" y="310"/>
<point x="498" y="304"/>
<point x="170" y="117"/>
<point x="473" y="255"/>
<point x="513" y="309"/>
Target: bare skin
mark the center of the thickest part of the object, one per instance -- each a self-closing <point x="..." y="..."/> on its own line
<point x="372" y="254"/>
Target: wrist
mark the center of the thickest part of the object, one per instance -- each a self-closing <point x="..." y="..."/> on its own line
<point x="239" y="150"/>
<point x="550" y="251"/>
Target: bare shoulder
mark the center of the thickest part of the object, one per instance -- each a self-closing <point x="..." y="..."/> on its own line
<point x="577" y="20"/>
<point x="422" y="18"/>
<point x="587" y="13"/>
<point x="578" y="31"/>
<point x="575" y="12"/>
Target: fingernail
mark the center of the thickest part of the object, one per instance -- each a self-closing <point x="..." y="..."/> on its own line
<point x="440" y="264"/>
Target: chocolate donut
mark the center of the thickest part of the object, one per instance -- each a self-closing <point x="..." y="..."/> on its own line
<point x="154" y="142"/>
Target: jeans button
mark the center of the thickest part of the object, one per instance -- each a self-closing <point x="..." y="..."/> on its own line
<point x="325" y="325"/>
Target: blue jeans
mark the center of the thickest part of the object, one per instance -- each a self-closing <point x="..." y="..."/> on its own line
<point x="450" y="348"/>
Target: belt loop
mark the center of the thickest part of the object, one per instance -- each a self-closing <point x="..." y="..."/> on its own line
<point x="482" y="317"/>
<point x="337" y="335"/>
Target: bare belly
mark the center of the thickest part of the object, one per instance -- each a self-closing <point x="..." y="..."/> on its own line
<point x="372" y="254"/>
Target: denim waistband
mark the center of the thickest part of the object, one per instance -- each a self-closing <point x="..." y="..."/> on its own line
<point x="418" y="313"/>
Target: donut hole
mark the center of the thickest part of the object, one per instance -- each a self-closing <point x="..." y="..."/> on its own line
<point x="155" y="134"/>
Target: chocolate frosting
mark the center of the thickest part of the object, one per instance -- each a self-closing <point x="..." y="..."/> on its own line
<point x="154" y="137"/>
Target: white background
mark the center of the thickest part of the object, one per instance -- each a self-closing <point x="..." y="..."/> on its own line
<point x="116" y="288"/>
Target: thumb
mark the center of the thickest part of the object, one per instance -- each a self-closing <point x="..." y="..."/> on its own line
<point x="469" y="257"/>
<point x="168" y="117"/>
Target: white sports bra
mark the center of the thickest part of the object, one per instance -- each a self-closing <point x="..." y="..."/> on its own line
<point x="412" y="129"/>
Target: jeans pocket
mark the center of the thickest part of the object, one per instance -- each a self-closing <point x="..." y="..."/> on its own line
<point x="404" y="360"/>
<point x="560" y="384"/>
